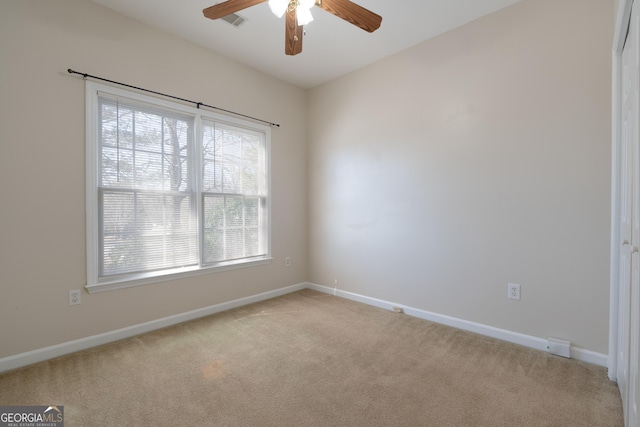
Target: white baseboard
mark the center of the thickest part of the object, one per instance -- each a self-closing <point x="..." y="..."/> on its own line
<point x="46" y="353"/>
<point x="39" y="355"/>
<point x="501" y="334"/>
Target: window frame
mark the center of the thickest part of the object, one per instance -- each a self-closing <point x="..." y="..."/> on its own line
<point x="97" y="284"/>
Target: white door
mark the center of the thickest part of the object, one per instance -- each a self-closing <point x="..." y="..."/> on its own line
<point x="626" y="196"/>
<point x="634" y="291"/>
<point x="629" y="267"/>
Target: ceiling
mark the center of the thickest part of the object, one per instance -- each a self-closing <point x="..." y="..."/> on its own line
<point x="331" y="46"/>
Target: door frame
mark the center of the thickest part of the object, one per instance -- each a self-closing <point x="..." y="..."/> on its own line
<point x="622" y="26"/>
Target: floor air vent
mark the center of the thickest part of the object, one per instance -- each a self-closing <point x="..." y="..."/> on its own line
<point x="559" y="347"/>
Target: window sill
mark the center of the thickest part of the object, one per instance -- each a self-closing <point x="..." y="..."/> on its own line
<point x="179" y="273"/>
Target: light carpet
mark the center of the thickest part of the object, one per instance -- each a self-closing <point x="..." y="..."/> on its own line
<point x="311" y="359"/>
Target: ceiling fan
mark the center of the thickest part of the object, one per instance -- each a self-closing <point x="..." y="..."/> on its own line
<point x="298" y="14"/>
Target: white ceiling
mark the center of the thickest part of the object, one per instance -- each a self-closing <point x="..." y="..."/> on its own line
<point x="331" y="48"/>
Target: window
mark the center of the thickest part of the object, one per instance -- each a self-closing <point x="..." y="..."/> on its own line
<point x="171" y="190"/>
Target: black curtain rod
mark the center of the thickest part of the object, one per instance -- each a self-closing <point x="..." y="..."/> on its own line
<point x="197" y="104"/>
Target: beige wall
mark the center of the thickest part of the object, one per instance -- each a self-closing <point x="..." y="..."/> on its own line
<point x="42" y="221"/>
<point x="475" y="159"/>
<point x="436" y="176"/>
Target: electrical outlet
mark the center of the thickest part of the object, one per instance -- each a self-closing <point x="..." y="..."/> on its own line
<point x="287" y="261"/>
<point x="75" y="297"/>
<point x="513" y="291"/>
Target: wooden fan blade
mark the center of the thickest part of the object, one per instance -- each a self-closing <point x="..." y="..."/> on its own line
<point x="228" y="7"/>
<point x="353" y="13"/>
<point x="293" y="40"/>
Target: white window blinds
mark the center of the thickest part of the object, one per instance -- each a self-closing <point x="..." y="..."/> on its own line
<point x="174" y="190"/>
<point x="146" y="200"/>
<point x="234" y="193"/>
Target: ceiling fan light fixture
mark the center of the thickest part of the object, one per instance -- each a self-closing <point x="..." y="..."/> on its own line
<point x="306" y="4"/>
<point x="303" y="14"/>
<point x="279" y="7"/>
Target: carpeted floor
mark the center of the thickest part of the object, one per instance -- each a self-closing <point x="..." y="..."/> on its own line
<point x="311" y="359"/>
